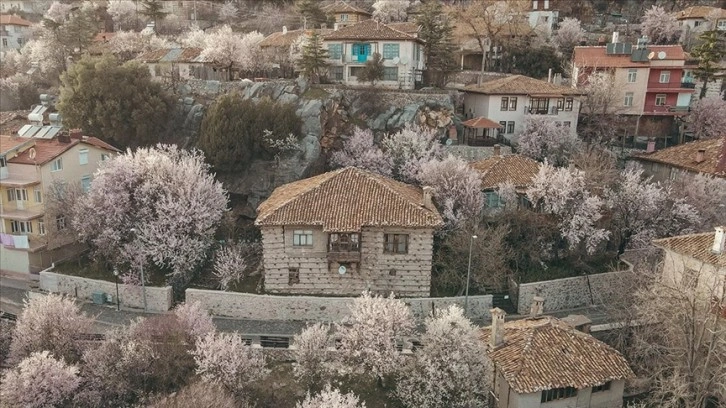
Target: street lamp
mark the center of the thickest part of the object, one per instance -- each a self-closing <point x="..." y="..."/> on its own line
<point x="143" y="281"/>
<point x="468" y="277"/>
<point x="118" y="302"/>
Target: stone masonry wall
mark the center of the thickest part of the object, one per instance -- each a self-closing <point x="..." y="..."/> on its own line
<point x="130" y="296"/>
<point x="310" y="308"/>
<point x="570" y="293"/>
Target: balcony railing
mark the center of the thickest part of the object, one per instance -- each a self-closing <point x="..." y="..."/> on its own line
<point x="533" y="110"/>
<point x="688" y="85"/>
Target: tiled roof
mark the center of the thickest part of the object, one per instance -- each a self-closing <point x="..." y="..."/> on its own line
<point x="595" y="56"/>
<point x="699" y="12"/>
<point x="172" y="55"/>
<point x="407" y="27"/>
<point x="343" y="7"/>
<point x="369" y="30"/>
<point x="520" y="85"/>
<point x="684" y="156"/>
<point x="8" y="143"/>
<point x="12" y="19"/>
<point x="346" y="200"/>
<point x="515" y="168"/>
<point x="481" y="123"/>
<point x="694" y="245"/>
<point x="47" y="150"/>
<point x="544" y="353"/>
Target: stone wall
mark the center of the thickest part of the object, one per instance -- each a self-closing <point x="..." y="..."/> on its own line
<point x="130" y="296"/>
<point x="570" y="293"/>
<point x="476" y="153"/>
<point x="310" y="308"/>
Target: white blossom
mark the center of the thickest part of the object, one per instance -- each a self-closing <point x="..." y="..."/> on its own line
<point x="123" y="13"/>
<point x="196" y="321"/>
<point x="410" y="148"/>
<point x="229" y="265"/>
<point x="568" y="36"/>
<point x="359" y="150"/>
<point x="543" y="139"/>
<point x="39" y="381"/>
<point x="707" y="119"/>
<point x="311" y="354"/>
<point x="227" y="12"/>
<point x="331" y="398"/>
<point x="660" y="26"/>
<point x="387" y="11"/>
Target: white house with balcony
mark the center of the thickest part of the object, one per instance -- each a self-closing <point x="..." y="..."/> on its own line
<point x="349" y="48"/>
<point x="14" y="32"/>
<point x="510" y="100"/>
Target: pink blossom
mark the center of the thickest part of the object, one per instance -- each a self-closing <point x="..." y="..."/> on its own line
<point x="39" y="380"/>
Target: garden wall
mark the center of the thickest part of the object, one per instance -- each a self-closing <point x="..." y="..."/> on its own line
<point x="130" y="296"/>
<point x="570" y="293"/>
<point x="312" y="308"/>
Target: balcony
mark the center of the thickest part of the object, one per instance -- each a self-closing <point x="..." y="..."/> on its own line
<point x="688" y="85"/>
<point x="21" y="212"/>
<point x="11" y="180"/>
<point x="534" y="110"/>
<point x="30" y="243"/>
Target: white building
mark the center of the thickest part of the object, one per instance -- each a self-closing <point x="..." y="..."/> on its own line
<point x="350" y="47"/>
<point x="510" y="100"/>
<point x="697" y="17"/>
<point x="542" y="16"/>
<point x="14" y="32"/>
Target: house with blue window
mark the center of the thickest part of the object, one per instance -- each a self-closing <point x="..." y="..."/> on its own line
<point x="350" y="47"/>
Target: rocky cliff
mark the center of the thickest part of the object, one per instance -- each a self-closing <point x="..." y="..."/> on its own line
<point x="328" y="113"/>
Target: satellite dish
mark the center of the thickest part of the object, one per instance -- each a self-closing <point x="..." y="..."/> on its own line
<point x="396" y="60"/>
<point x="651" y="55"/>
<point x="449" y="142"/>
<point x="31" y="153"/>
<point x="342" y="270"/>
<point x="661" y="55"/>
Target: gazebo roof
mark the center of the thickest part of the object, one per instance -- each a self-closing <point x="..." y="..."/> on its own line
<point x="481" y="123"/>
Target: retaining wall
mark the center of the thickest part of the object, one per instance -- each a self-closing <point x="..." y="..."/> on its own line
<point x="570" y="293"/>
<point x="130" y="296"/>
<point x="311" y="308"/>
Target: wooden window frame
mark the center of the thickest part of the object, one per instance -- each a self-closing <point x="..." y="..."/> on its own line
<point x="293" y="275"/>
<point x="510" y="127"/>
<point x="392" y="243"/>
<point x="513" y="103"/>
<point x="298" y="235"/>
<point x="569" y="102"/>
<point x="344" y="242"/>
<point x="504" y="104"/>
<point x="558" y="394"/>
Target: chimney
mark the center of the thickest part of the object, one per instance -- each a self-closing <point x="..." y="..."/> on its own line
<point x="497" y="150"/>
<point x="549" y="75"/>
<point x="719" y="241"/>
<point x="651" y="146"/>
<point x="537" y="307"/>
<point x="284" y="30"/>
<point x="701" y="156"/>
<point x="602" y="40"/>
<point x="64" y="138"/>
<point x="496" y="335"/>
<point x="616" y="35"/>
<point x="428" y="193"/>
<point x="75" y="133"/>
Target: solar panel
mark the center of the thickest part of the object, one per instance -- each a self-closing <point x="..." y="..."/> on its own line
<point x="39" y="110"/>
<point x="31" y="131"/>
<point x="53" y="131"/>
<point x="42" y="132"/>
<point x="23" y="130"/>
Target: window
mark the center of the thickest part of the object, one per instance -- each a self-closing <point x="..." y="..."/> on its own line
<point x="665" y="77"/>
<point x="390" y="73"/>
<point x="534" y="5"/>
<point x="390" y="51"/>
<point x="539" y="105"/>
<point x="721" y="25"/>
<point x="568" y="104"/>
<point x="505" y="103"/>
<point x="560" y="104"/>
<point x="343" y="17"/>
<point x="513" y="104"/>
<point x="19" y="194"/>
<point x="395" y="244"/>
<point x="336" y="73"/>
<point x="660" y="100"/>
<point x="41" y="227"/>
<point x="558" y="393"/>
<point x="104" y="157"/>
<point x="696" y="23"/>
<point x="38" y="193"/>
<point x="492" y="199"/>
<point x="83" y="157"/>
<point x="60" y="222"/>
<point x="5" y="42"/>
<point x="57" y="164"/>
<point x="21" y="227"/>
<point x="510" y="127"/>
<point x="567" y="124"/>
<point x="3" y="162"/>
<point x="601" y="387"/>
<point x="503" y="127"/>
<point x="302" y="238"/>
<point x="628" y="99"/>
<point x="355" y="71"/>
<point x="293" y="276"/>
<point x="417" y="53"/>
<point x="86" y="183"/>
<point x="11" y="194"/>
<point x="344" y="242"/>
<point x="632" y="75"/>
<point x="335" y="51"/>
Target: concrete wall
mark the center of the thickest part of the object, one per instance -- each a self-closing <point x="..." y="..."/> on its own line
<point x="709" y="278"/>
<point x="570" y="293"/>
<point x="310" y="308"/>
<point x="612" y="398"/>
<point x="130" y="296"/>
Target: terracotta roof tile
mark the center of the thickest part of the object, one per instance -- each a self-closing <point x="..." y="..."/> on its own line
<point x="684" y="156"/>
<point x="12" y="19"/>
<point x="369" y="30"/>
<point x="699" y="12"/>
<point x="346" y="200"/>
<point x="343" y="7"/>
<point x="694" y="245"/>
<point x="407" y="27"/>
<point x="520" y="85"/>
<point x="8" y="143"/>
<point x="515" y="168"/>
<point x="544" y="353"/>
<point x="171" y="55"/>
<point x="595" y="56"/>
<point x="481" y="123"/>
<point x="47" y="150"/>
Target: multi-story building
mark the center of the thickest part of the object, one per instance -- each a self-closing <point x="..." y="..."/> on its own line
<point x="30" y="168"/>
<point x="701" y="18"/>
<point x="510" y="100"/>
<point x="14" y="32"/>
<point x="541" y="16"/>
<point x="651" y="81"/>
<point x="345" y="14"/>
<point x="698" y="157"/>
<point x="350" y="47"/>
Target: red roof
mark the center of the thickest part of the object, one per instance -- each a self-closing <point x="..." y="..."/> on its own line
<point x="481" y="123"/>
<point x="12" y="19"/>
<point x="47" y="150"/>
<point x="595" y="56"/>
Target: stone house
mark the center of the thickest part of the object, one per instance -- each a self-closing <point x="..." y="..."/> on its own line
<point x="350" y="47"/>
<point x="344" y="14"/>
<point x="512" y="99"/>
<point x="700" y="259"/>
<point x="181" y="64"/>
<point x="514" y="168"/>
<point x="14" y="32"/>
<point x="33" y="237"/>
<point x="346" y="231"/>
<point x="701" y="17"/>
<point x="542" y="361"/>
<point x="701" y="156"/>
